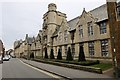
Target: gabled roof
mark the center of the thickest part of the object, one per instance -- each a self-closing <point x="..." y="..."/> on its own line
<point x="73" y="22"/>
<point x="38" y="37"/>
<point x="33" y="39"/>
<point x="29" y="40"/>
<point x="99" y="14"/>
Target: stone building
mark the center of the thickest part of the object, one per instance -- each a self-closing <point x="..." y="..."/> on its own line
<point x="17" y="48"/>
<point x="90" y="30"/>
<point x="52" y="20"/>
<point x="24" y="48"/>
<point x="36" y="46"/>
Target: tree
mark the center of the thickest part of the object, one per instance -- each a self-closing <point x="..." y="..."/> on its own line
<point x="52" y="54"/>
<point x="59" y="56"/>
<point x="69" y="55"/>
<point x="81" y="54"/>
<point x="46" y="54"/>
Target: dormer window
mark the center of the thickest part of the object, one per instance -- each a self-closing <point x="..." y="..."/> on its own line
<point x="103" y="27"/>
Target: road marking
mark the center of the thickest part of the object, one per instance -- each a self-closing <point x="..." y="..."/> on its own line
<point x="49" y="74"/>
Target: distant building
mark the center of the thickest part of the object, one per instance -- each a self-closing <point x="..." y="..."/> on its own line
<point x="24" y="48"/>
<point x="2" y="49"/>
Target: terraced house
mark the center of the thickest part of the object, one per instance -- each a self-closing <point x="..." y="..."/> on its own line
<point x="30" y="45"/>
<point x="90" y="30"/>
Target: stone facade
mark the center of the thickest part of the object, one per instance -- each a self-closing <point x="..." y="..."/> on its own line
<point x="24" y="48"/>
<point x="90" y="30"/>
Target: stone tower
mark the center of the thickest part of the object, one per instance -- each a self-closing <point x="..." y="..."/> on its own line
<point x="51" y="19"/>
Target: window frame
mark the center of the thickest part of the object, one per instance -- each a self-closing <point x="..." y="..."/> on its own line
<point x="104" y="48"/>
<point x="73" y="49"/>
<point x="65" y="47"/>
<point x="90" y="28"/>
<point x="80" y="31"/>
<point x="103" y="27"/>
<point x="91" y="48"/>
<point x="65" y="36"/>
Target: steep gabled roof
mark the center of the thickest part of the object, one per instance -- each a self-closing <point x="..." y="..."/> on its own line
<point x="99" y="14"/>
<point x="73" y="22"/>
<point x="29" y="40"/>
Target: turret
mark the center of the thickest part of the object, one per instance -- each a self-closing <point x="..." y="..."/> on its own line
<point x="52" y="7"/>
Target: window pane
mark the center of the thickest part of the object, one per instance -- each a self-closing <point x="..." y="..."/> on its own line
<point x="90" y="28"/>
<point x="91" y="48"/>
<point x="102" y="27"/>
<point x="80" y="30"/>
<point x="104" y="48"/>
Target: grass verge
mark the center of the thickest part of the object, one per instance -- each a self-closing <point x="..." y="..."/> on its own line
<point x="103" y="66"/>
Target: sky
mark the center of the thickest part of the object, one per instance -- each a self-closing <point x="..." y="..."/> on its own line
<point x="21" y="17"/>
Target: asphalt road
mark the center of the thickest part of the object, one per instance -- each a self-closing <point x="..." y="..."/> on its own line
<point x="16" y="69"/>
<point x="71" y="73"/>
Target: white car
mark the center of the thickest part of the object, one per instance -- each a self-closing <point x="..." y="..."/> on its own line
<point x="6" y="58"/>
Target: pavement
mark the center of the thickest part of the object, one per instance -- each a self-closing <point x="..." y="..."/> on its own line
<point x="68" y="72"/>
<point x="109" y="72"/>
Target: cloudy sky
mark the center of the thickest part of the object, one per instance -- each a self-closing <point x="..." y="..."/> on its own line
<point x="20" y="17"/>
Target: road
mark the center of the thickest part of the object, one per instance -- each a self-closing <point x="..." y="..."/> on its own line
<point x="16" y="69"/>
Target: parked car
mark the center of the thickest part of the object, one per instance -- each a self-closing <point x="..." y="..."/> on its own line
<point x="6" y="58"/>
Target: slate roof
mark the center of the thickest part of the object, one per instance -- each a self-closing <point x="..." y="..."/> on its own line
<point x="99" y="13"/>
<point x="72" y="23"/>
<point x="29" y="40"/>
